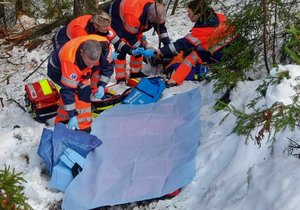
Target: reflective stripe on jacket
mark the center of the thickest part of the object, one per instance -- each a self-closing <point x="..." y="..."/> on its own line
<point x="205" y="39"/>
<point x="76" y="90"/>
<point x="68" y="51"/>
<point x="185" y="67"/>
<point x="209" y="36"/>
<point x="71" y="74"/>
<point x="83" y="110"/>
<point x="73" y="77"/>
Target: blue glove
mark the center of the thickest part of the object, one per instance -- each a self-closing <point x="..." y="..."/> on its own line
<point x="200" y="72"/>
<point x="115" y="55"/>
<point x="144" y="38"/>
<point x="73" y="123"/>
<point x="203" y="70"/>
<point x="138" y="51"/>
<point x="148" y="53"/>
<point x="100" y="92"/>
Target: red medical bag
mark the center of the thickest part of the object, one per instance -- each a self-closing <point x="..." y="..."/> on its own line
<point x="41" y="99"/>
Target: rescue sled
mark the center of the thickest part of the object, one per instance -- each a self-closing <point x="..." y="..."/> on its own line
<point x="109" y="100"/>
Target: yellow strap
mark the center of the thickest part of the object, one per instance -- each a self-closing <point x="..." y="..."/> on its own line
<point x="45" y="87"/>
<point x="57" y="86"/>
<point x="111" y="91"/>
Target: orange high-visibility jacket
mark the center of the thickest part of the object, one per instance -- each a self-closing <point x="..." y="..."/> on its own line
<point x="76" y="78"/>
<point x="77" y="27"/>
<point x="211" y="38"/>
<point x="130" y="12"/>
<point x="71" y="74"/>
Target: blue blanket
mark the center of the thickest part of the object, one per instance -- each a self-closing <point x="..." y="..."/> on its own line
<point x="148" y="151"/>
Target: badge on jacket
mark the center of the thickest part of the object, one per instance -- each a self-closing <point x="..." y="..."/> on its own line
<point x="73" y="76"/>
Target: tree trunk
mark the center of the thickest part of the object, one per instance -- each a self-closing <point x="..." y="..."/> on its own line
<point x="274" y="32"/>
<point x="79" y="8"/>
<point x="174" y="7"/>
<point x="91" y="6"/>
<point x="23" y="7"/>
<point x="265" y="33"/>
<point x="168" y="5"/>
<point x="104" y="4"/>
<point x="3" y="25"/>
<point x="82" y="7"/>
<point x="35" y="32"/>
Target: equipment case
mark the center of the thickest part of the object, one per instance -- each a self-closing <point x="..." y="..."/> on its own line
<point x="41" y="99"/>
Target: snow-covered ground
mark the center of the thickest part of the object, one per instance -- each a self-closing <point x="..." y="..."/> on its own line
<point x="232" y="174"/>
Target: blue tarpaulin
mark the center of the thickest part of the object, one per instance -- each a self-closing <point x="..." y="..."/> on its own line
<point x="54" y="143"/>
<point x="148" y="151"/>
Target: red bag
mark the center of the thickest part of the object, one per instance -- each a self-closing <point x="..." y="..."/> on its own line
<point x="41" y="99"/>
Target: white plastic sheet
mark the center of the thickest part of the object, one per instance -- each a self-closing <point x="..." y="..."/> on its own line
<point x="148" y="151"/>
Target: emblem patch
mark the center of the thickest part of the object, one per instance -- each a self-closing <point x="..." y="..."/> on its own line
<point x="73" y="76"/>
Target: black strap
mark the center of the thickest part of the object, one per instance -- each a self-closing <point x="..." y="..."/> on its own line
<point x="76" y="169"/>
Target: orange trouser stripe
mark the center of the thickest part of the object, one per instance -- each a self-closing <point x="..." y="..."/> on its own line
<point x="120" y="69"/>
<point x="185" y="67"/>
<point x="84" y="118"/>
<point x="136" y="64"/>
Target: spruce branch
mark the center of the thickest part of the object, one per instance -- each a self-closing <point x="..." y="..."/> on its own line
<point x="270" y="120"/>
<point x="292" y="48"/>
<point x="11" y="190"/>
<point x="262" y="39"/>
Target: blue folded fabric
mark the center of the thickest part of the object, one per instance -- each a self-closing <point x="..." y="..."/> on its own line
<point x="70" y="157"/>
<point x="54" y="143"/>
<point x="45" y="150"/>
<point x="148" y="151"/>
<point x="61" y="177"/>
<point x="62" y="174"/>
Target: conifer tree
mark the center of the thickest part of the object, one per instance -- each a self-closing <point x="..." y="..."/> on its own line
<point x="269" y="34"/>
<point x="292" y="47"/>
<point x="11" y="190"/>
<point x="261" y="27"/>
